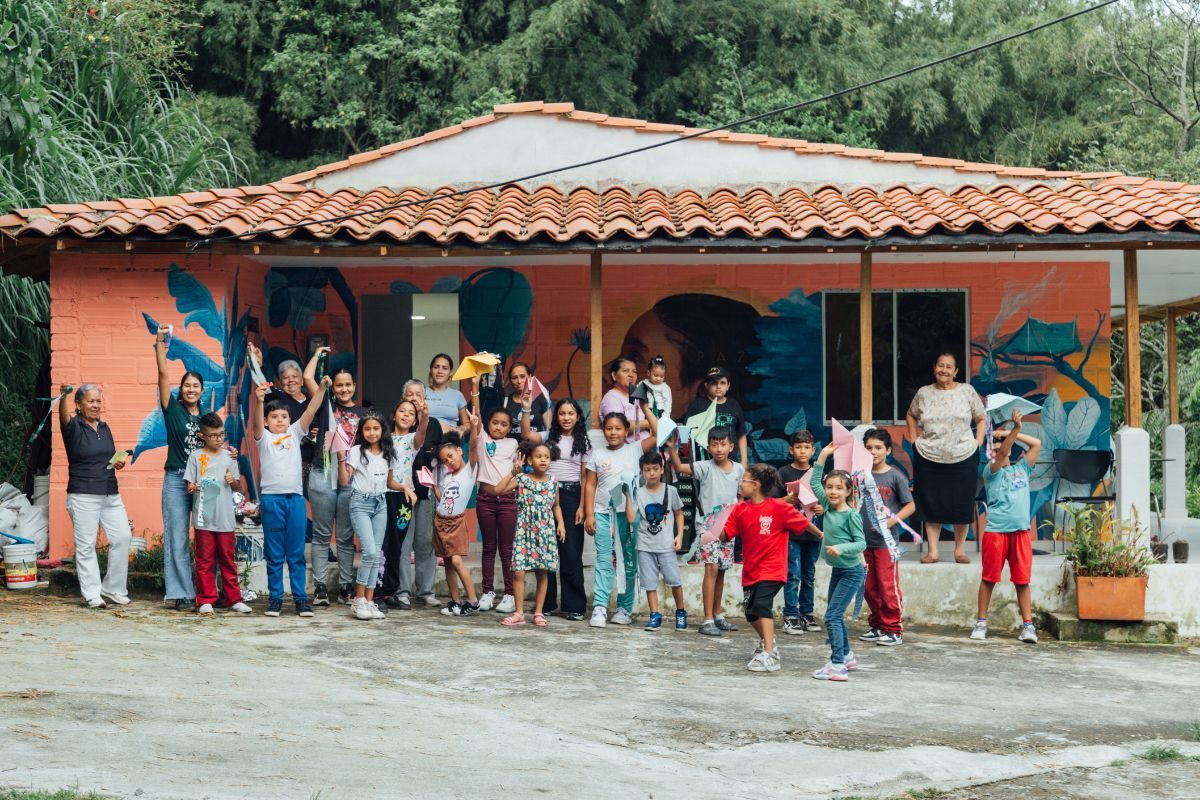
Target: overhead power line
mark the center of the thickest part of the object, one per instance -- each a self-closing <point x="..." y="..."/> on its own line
<point x="979" y="48"/>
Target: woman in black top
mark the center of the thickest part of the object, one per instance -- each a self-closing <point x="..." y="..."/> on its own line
<point x="539" y="413"/>
<point x="92" y="498"/>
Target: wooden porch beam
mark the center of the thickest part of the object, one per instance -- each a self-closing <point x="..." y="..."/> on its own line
<point x="1133" y="344"/>
<point x="866" y="328"/>
<point x="595" y="380"/>
<point x="1172" y="367"/>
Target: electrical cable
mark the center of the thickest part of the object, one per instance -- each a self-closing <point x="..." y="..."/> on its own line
<point x="682" y="138"/>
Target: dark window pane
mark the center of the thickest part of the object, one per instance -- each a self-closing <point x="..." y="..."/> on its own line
<point x="885" y="367"/>
<point x="928" y="323"/>
<point x="842" y="373"/>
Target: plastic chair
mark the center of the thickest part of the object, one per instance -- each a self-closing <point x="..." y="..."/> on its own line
<point x="1082" y="466"/>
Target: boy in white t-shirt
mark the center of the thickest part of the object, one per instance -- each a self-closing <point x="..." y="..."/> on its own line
<point x="656" y="517"/>
<point x="280" y="482"/>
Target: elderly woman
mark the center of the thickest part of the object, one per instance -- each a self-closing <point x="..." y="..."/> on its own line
<point x="946" y="455"/>
<point x="418" y="548"/>
<point x="92" y="498"/>
<point x="290" y="387"/>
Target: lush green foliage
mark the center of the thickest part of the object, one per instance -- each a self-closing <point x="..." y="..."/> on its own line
<point x="1100" y="546"/>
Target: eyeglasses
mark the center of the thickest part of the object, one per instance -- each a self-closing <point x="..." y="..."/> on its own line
<point x="218" y="436"/>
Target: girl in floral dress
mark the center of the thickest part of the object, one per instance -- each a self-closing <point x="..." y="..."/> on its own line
<point x="539" y="526"/>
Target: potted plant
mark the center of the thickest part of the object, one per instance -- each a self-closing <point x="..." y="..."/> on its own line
<point x="1159" y="548"/>
<point x="1110" y="561"/>
<point x="1179" y="551"/>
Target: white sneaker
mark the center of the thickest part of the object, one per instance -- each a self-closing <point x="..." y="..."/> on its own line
<point x="507" y="605"/>
<point x="361" y="608"/>
<point x="1028" y="634"/>
<point x="241" y="608"/>
<point x="622" y="617"/>
<point x="119" y="599"/>
<point x="599" y="617"/>
<point x="760" y="662"/>
<point x="979" y="632"/>
<point x="431" y="601"/>
<point x="205" y="610"/>
<point x="487" y="601"/>
<point x="96" y="602"/>
<point x="375" y="612"/>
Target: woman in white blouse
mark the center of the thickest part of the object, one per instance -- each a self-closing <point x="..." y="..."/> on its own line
<point x="946" y="455"/>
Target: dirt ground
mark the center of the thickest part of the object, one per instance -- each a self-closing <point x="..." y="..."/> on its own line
<point x="146" y="702"/>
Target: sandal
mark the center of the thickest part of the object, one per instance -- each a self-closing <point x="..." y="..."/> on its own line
<point x="962" y="560"/>
<point x="540" y="620"/>
<point x="929" y="559"/>
<point x="513" y="620"/>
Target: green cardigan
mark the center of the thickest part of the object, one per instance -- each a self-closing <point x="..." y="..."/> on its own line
<point x="843" y="529"/>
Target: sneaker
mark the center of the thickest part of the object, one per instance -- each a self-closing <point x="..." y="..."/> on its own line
<point x="376" y="611"/>
<point x="871" y="635"/>
<point x="486" y="601"/>
<point x="205" y="610"/>
<point x="655" y="621"/>
<point x="469" y="609"/>
<point x="399" y="602"/>
<point x="758" y="648"/>
<point x="1028" y="634"/>
<point x="320" y="595"/>
<point x="599" y="617"/>
<point x="979" y="632"/>
<point x="759" y="662"/>
<point x="851" y="662"/>
<point x="452" y="609"/>
<point x="361" y="608"/>
<point x="810" y="622"/>
<point x="709" y="628"/>
<point x="773" y="662"/>
<point x="832" y="672"/>
<point x="889" y="639"/>
<point x="724" y="624"/>
<point x="119" y="599"/>
<point x="274" y="607"/>
<point x="429" y="600"/>
<point x="507" y="605"/>
<point x="346" y="594"/>
<point x="681" y="620"/>
<point x="303" y="609"/>
<point x="241" y="608"/>
<point x="622" y="617"/>
<point x="97" y="602"/>
<point x="793" y="626"/>
<point x="185" y="604"/>
<point x="574" y="616"/>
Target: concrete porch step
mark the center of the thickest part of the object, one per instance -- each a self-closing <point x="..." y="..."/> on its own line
<point x="1068" y="628"/>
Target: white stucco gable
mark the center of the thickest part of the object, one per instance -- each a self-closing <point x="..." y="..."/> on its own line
<point x="511" y="145"/>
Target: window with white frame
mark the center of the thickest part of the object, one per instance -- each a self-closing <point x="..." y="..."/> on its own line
<point x="911" y="327"/>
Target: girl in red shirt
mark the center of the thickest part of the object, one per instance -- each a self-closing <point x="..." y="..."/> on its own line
<point x="764" y="523"/>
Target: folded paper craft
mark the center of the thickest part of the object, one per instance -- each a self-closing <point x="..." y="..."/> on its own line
<point x="425" y="478"/>
<point x="474" y="366"/>
<point x="639" y="392"/>
<point x="716" y="524"/>
<point x="256" y="373"/>
<point x="1000" y="407"/>
<point x="843" y="456"/>
<point x="537" y="388"/>
<point x="702" y="423"/>
<point x="666" y="428"/>
<point x="803" y="491"/>
<point x="685" y="433"/>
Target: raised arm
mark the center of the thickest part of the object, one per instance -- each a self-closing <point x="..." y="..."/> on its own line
<point x="676" y="464"/>
<point x="422" y="424"/>
<point x="310" y="370"/>
<point x="818" y="473"/>
<point x="650" y="443"/>
<point x="256" y="413"/>
<point x="476" y="435"/>
<point x="1033" y="447"/>
<point x="64" y="416"/>
<point x="314" y="403"/>
<point x="160" y="357"/>
<point x="526" y="413"/>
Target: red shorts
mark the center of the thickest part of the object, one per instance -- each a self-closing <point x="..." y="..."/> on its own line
<point x="1015" y="548"/>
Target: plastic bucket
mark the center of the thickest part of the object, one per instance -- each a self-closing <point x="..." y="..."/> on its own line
<point x="20" y="566"/>
<point x="136" y="545"/>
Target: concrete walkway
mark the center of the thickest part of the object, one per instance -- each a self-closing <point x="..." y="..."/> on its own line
<point x="149" y="703"/>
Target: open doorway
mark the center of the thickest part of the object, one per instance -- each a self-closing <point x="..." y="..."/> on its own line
<point x="401" y="333"/>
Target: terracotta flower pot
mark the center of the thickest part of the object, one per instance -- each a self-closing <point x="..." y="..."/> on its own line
<point x="1179" y="552"/>
<point x="1112" y="599"/>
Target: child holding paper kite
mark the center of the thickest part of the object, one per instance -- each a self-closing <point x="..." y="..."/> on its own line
<point x="718" y="483"/>
<point x="765" y="524"/>
<point x="883" y="574"/>
<point x="604" y="502"/>
<point x="211" y="473"/>
<point x="1006" y="536"/>
<point x="655" y="517"/>
<point x="844" y="544"/>
<point x="803" y="549"/>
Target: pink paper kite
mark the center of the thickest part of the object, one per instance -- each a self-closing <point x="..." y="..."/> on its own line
<point x="716" y="525"/>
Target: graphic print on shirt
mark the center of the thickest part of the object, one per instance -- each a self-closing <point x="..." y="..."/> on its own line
<point x="764" y="525"/>
<point x="654" y="518"/>
<point x="1017" y="479"/>
<point x="491" y="448"/>
<point x="449" y="496"/>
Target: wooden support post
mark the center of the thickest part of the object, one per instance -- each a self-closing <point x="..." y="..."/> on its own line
<point x="866" y="330"/>
<point x="1172" y="366"/>
<point x="596" y="380"/>
<point x="1133" y="344"/>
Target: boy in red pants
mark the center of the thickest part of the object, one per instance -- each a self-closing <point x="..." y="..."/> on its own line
<point x="882" y="589"/>
<point x="211" y="473"/>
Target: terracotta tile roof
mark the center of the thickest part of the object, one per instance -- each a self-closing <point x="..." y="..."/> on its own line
<point x="546" y="214"/>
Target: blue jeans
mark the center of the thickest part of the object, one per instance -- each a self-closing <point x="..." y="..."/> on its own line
<point x="603" y="573"/>
<point x="284" y="521"/>
<point x="368" y="514"/>
<point x="330" y="507"/>
<point x="844" y="586"/>
<point x="802" y="571"/>
<point x="176" y="513"/>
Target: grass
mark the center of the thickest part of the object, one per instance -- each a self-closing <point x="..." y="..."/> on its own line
<point x="1193" y="731"/>
<point x="1161" y="753"/>
<point x="37" y="794"/>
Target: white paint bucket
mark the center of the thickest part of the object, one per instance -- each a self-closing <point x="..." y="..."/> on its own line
<point x="136" y="545"/>
<point x="20" y="566"/>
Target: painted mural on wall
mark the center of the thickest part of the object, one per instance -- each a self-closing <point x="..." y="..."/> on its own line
<point x="227" y="327"/>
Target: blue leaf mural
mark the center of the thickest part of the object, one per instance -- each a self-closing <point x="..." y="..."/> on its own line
<point x="193" y="299"/>
<point x="152" y="434"/>
<point x="494" y="309"/>
<point x="193" y="357"/>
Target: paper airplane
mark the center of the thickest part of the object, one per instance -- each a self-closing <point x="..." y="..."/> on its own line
<point x="803" y="491"/>
<point x="474" y="366"/>
<point x="425" y="478"/>
<point x="1000" y="407"/>
<point x="666" y="427"/>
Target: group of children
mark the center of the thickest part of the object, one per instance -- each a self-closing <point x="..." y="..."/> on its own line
<point x="635" y="516"/>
